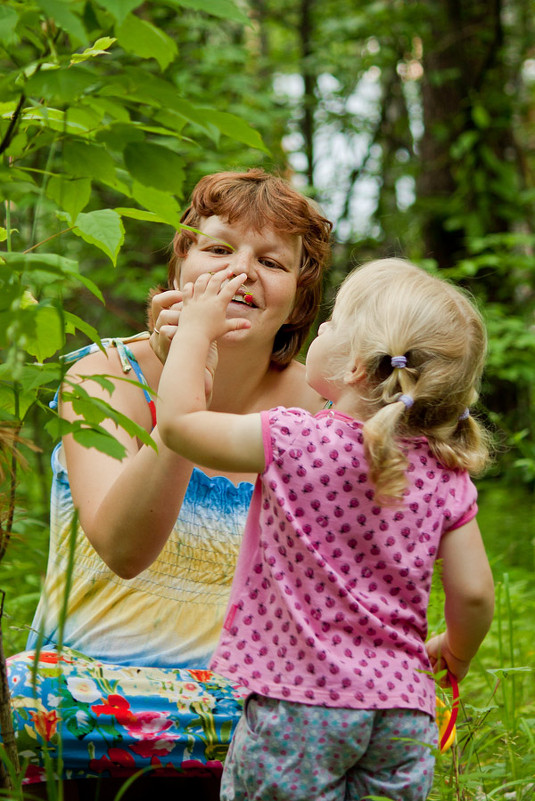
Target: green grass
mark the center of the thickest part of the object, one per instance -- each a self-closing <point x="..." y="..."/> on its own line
<point x="494" y="755"/>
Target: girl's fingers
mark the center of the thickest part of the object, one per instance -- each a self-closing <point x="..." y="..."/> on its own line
<point x="231" y="283"/>
<point x="187" y="291"/>
<point x="238" y="324"/>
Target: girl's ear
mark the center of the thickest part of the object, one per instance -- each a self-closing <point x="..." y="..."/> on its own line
<point x="355" y="375"/>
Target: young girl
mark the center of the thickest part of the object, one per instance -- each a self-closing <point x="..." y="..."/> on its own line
<point x="326" y="624"/>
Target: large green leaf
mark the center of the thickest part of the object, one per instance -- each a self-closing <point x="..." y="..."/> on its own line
<point x="60" y="12"/>
<point x="47" y="336"/>
<point x="160" y="203"/>
<point x="217" y="8"/>
<point x="104" y="229"/>
<point x="83" y="159"/>
<point x="101" y="440"/>
<point x="75" y="121"/>
<point x="138" y="36"/>
<point x="47" y="268"/>
<point x="139" y="214"/>
<point x="234" y="127"/>
<point x="154" y="165"/>
<point x="8" y="23"/>
<point x="119" y="9"/>
<point x="61" y="85"/>
<point x="71" y="194"/>
<point x="73" y="322"/>
<point x="41" y="261"/>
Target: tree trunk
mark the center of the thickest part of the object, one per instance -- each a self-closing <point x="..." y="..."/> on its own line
<point x="309" y="83"/>
<point x="463" y="68"/>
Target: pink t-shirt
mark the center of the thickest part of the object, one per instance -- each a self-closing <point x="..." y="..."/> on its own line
<point x="329" y="599"/>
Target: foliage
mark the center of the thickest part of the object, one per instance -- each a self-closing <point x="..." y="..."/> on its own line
<point x="412" y="123"/>
<point x="95" y="132"/>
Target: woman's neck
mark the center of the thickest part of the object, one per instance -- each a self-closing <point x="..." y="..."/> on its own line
<point x="241" y="381"/>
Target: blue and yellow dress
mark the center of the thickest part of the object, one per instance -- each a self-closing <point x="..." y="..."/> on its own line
<point x="115" y="678"/>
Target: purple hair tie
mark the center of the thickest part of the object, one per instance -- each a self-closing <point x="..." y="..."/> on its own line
<point x="408" y="400"/>
<point x="398" y="361"/>
<point x="464" y="415"/>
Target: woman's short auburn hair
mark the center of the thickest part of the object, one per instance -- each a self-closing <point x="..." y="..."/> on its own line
<point x="263" y="200"/>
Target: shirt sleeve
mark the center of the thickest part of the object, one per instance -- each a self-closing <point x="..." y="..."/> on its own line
<point x="281" y="427"/>
<point x="462" y="506"/>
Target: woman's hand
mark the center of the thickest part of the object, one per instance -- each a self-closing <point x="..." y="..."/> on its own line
<point x="165" y="312"/>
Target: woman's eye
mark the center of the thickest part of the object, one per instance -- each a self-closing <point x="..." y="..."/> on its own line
<point x="219" y="250"/>
<point x="273" y="265"/>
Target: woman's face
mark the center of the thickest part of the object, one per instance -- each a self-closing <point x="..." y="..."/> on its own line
<point x="271" y="262"/>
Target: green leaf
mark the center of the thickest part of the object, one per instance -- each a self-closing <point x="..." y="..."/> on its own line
<point x="104" y="105"/>
<point x="236" y="128"/>
<point x="154" y="165"/>
<point x="71" y="195"/>
<point x="53" y="267"/>
<point x="138" y="36"/>
<point x="34" y="376"/>
<point x="59" y="11"/>
<point x="102" y="228"/>
<point x="481" y="117"/>
<point x="46" y="337"/>
<point x="119" y="9"/>
<point x="8" y="23"/>
<point x="210" y="119"/>
<point x="102" y="441"/>
<point x="100" y="48"/>
<point x="16" y="410"/>
<point x="41" y="261"/>
<point x="225" y="9"/>
<point x="139" y="214"/>
<point x="87" y="160"/>
<point x="160" y="203"/>
<point x="76" y="121"/>
<point x="74" y="322"/>
<point x="62" y="86"/>
<point x="94" y="410"/>
<point x="89" y="436"/>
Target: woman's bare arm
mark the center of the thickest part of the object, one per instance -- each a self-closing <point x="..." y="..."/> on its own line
<point x="127" y="508"/>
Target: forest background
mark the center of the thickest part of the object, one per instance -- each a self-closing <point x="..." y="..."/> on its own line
<point x="411" y="123"/>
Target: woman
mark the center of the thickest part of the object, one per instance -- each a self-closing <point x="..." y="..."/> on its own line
<point x="157" y="538"/>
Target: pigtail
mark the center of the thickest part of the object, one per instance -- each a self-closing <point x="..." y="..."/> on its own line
<point x="468" y="447"/>
<point x="387" y="462"/>
<point x="386" y="458"/>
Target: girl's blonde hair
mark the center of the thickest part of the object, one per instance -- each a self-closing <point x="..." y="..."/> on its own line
<point x="388" y="308"/>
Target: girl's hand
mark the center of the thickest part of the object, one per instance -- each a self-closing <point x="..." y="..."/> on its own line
<point x="206" y="301"/>
<point x="165" y="313"/>
<point x="441" y="658"/>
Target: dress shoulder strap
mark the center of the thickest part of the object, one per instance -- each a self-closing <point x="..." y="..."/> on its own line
<point x="126" y="357"/>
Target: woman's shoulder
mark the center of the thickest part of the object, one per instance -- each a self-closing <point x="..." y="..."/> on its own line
<point x="115" y="358"/>
<point x="292" y="389"/>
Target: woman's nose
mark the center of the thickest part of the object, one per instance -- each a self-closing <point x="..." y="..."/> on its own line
<point x="244" y="263"/>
